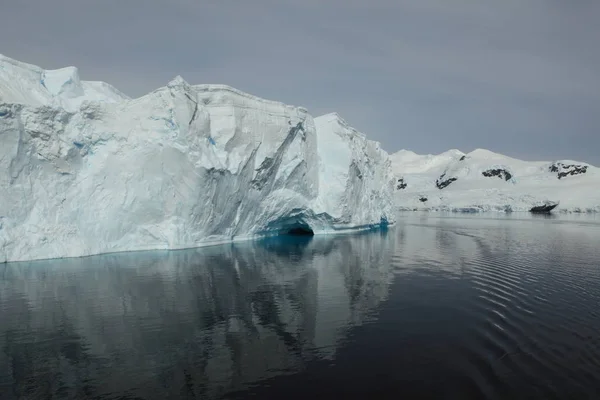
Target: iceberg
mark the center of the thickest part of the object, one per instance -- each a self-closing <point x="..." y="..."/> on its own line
<point x="486" y="181"/>
<point x="86" y="170"/>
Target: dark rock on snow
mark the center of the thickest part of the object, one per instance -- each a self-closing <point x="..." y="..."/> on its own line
<point x="499" y="172"/>
<point x="566" y="170"/>
<point x="442" y="183"/>
<point x="546" y="208"/>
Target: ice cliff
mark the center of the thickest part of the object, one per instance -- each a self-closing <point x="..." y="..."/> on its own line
<point x="86" y="170"/>
<point x="487" y="181"/>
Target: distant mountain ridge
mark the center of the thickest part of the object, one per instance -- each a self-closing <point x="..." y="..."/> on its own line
<point x="486" y="181"/>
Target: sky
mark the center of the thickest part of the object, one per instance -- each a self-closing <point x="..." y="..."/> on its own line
<point x="517" y="77"/>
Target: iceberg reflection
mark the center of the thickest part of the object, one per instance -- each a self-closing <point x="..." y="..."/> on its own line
<point x="186" y="323"/>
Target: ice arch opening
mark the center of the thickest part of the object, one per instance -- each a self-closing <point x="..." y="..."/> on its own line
<point x="289" y="226"/>
<point x="299" y="229"/>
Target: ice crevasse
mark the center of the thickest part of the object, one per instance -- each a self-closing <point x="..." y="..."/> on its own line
<point x="86" y="170"/>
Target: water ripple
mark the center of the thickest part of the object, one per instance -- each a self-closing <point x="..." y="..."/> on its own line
<point x="440" y="306"/>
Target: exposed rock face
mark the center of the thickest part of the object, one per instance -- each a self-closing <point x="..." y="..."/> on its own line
<point x="565" y="170"/>
<point x="499" y="172"/>
<point x="443" y="182"/>
<point x="401" y="184"/>
<point x="545" y="208"/>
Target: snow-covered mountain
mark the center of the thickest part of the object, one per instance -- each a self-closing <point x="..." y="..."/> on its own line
<point x="484" y="181"/>
<point x="86" y="170"/>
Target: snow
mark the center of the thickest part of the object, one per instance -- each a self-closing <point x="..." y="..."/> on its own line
<point x="85" y="170"/>
<point x="28" y="84"/>
<point x="414" y="163"/>
<point x="530" y="183"/>
<point x="357" y="178"/>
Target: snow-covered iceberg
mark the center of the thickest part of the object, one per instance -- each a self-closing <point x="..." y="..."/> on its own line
<point x="86" y="170"/>
<point x="487" y="181"/>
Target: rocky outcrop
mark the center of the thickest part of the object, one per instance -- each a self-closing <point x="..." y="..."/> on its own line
<point x="401" y="184"/>
<point x="544" y="208"/>
<point x="564" y="170"/>
<point x="499" y="172"/>
<point x="443" y="182"/>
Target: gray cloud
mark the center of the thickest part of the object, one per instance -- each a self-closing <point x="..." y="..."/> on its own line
<point x="520" y="78"/>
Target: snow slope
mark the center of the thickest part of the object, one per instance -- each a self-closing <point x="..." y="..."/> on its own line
<point x="85" y="170"/>
<point x="486" y="181"/>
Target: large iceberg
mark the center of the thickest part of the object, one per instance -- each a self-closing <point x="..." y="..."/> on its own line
<point x="86" y="170"/>
<point x="485" y="181"/>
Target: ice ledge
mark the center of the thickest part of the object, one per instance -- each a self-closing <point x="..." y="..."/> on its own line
<point x="216" y="88"/>
<point x="54" y="81"/>
<point x="214" y="240"/>
<point x="30" y="67"/>
<point x="335" y="118"/>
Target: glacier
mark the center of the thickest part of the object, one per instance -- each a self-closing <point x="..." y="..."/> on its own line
<point x="85" y="170"/>
<point x="486" y="181"/>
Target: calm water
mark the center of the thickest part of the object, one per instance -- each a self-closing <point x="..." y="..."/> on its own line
<point x="440" y="306"/>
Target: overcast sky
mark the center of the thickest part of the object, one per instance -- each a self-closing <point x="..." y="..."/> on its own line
<point x="519" y="77"/>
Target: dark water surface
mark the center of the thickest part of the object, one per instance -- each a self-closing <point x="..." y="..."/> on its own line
<point x="439" y="306"/>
